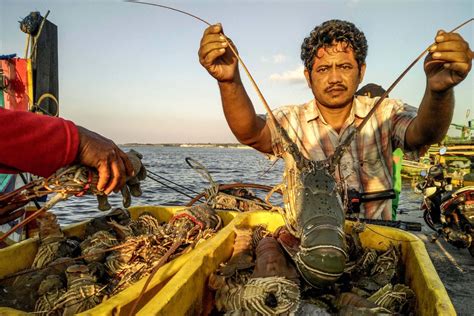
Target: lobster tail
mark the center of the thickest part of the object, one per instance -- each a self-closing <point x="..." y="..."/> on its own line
<point x="314" y="210"/>
<point x="322" y="256"/>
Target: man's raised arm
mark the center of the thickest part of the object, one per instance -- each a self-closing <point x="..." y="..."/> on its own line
<point x="221" y="63"/>
<point x="447" y="64"/>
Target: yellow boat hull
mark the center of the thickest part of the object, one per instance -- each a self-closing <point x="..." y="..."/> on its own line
<point x="179" y="287"/>
<point x="186" y="292"/>
<point x="20" y="256"/>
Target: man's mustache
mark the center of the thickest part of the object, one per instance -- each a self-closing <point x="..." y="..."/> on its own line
<point x="336" y="87"/>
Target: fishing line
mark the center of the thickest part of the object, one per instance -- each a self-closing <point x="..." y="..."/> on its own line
<point x="388" y="237"/>
<point x="265" y="171"/>
<point x="170" y="187"/>
<point x="177" y="184"/>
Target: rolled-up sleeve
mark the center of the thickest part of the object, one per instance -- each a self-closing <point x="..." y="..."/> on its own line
<point x="36" y="143"/>
<point x="286" y="117"/>
<point x="402" y="116"/>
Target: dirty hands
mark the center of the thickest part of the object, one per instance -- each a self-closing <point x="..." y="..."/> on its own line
<point x="216" y="56"/>
<point x="112" y="164"/>
<point x="132" y="185"/>
<point x="449" y="61"/>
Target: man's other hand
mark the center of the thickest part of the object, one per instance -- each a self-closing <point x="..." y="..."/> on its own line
<point x="216" y="56"/>
<point x="449" y="61"/>
<point x="101" y="153"/>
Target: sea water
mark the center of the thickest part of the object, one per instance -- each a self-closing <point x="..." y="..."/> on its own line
<point x="222" y="165"/>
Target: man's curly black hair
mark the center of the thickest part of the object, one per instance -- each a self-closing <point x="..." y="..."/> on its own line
<point x="329" y="32"/>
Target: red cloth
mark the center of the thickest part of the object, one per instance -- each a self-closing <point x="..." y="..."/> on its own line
<point x="36" y="143"/>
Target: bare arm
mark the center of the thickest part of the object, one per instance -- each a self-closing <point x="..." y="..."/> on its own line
<point x="448" y="63"/>
<point x="221" y="63"/>
<point x="42" y="144"/>
<point x="433" y="119"/>
<point x="240" y="114"/>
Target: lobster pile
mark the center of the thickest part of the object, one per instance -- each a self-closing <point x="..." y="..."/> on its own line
<point x="75" y="180"/>
<point x="260" y="278"/>
<point x="71" y="275"/>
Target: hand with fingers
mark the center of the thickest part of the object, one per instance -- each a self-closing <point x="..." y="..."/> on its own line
<point x="132" y="184"/>
<point x="112" y="164"/>
<point x="449" y="61"/>
<point x="216" y="56"/>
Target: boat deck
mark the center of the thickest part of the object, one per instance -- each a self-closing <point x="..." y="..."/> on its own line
<point x="454" y="266"/>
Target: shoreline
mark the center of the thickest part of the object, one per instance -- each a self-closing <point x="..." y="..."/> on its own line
<point x="188" y="145"/>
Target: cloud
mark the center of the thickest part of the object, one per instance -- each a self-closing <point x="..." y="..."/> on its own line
<point x="279" y="58"/>
<point x="353" y="3"/>
<point x="294" y="76"/>
<point x="275" y="59"/>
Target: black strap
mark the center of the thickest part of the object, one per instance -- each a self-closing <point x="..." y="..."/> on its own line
<point x="411" y="226"/>
<point x="377" y="195"/>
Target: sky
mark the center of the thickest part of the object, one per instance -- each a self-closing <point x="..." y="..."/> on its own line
<point x="131" y="73"/>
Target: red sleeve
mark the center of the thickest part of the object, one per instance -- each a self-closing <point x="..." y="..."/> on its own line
<point x="36" y="143"/>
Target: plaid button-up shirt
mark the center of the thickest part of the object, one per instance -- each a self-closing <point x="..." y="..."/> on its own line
<point x="367" y="166"/>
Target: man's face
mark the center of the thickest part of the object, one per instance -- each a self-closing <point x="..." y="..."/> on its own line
<point x="335" y="76"/>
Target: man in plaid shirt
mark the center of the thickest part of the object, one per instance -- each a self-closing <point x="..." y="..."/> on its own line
<point x="334" y="58"/>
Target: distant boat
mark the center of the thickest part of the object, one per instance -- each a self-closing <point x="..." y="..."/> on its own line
<point x="412" y="168"/>
<point x="459" y="158"/>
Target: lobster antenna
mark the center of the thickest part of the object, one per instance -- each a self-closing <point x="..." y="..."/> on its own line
<point x="257" y="89"/>
<point x="340" y="149"/>
<point x="386" y="93"/>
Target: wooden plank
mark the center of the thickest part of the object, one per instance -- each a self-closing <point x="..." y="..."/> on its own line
<point x="45" y="67"/>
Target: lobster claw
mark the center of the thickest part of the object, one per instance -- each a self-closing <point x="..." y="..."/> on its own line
<point x="133" y="183"/>
<point x="103" y="202"/>
<point x="126" y="198"/>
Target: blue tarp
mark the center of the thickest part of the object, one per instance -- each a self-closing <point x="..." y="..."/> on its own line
<point x="7" y="182"/>
<point x="7" y="56"/>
